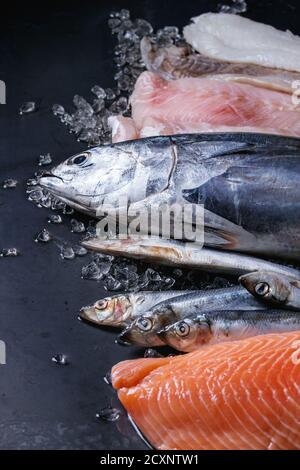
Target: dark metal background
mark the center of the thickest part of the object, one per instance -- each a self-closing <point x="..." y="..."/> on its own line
<point x="48" y="55"/>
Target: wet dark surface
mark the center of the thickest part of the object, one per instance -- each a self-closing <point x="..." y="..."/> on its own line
<point x="47" y="56"/>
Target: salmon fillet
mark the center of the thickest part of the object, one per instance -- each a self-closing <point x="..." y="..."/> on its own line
<point x="237" y="395"/>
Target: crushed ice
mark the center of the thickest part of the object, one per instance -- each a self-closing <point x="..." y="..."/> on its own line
<point x="89" y="120"/>
<point x="60" y="359"/>
<point x="9" y="252"/>
<point x="236" y="7"/>
<point x="9" y="183"/>
<point x="28" y="107"/>
<point x="45" y="159"/>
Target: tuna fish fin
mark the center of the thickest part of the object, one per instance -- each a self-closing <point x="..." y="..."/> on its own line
<point x="221" y="233"/>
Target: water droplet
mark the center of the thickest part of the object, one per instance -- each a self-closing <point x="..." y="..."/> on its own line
<point x="28" y="107"/>
<point x="10" y="183"/>
<point x="60" y="359"/>
<point x="109" y="414"/>
<point x="9" y="252"/>
<point x="45" y="159"/>
<point x="43" y="236"/>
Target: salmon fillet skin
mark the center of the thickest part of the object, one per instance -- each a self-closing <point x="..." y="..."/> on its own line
<point x="240" y="395"/>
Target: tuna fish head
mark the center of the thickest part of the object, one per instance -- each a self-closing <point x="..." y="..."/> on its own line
<point x="100" y="177"/>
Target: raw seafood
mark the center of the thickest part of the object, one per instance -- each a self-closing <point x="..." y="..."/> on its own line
<point x="120" y="310"/>
<point x="273" y="288"/>
<point x="177" y="253"/>
<point x="215" y="327"/>
<point x="144" y="330"/>
<point x="236" y="395"/>
<point x="175" y="62"/>
<point x="194" y="105"/>
<point x="237" y="39"/>
<point x="248" y="185"/>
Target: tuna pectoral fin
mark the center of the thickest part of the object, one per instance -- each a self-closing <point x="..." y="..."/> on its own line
<point x="221" y="233"/>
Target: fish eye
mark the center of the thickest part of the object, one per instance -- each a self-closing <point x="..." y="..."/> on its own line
<point x="262" y="288"/>
<point x="78" y="159"/>
<point x="145" y="324"/>
<point x="182" y="329"/>
<point x="101" y="304"/>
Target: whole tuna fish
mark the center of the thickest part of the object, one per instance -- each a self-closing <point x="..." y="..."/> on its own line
<point x="247" y="183"/>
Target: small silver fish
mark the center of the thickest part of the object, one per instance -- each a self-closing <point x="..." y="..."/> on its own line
<point x="144" y="330"/>
<point x="119" y="310"/>
<point x="273" y="288"/>
<point x="218" y="326"/>
<point x="177" y="253"/>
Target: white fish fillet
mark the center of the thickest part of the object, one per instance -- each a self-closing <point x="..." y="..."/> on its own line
<point x="195" y="105"/>
<point x="236" y="39"/>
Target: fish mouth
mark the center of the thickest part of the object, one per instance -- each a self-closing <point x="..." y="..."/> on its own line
<point x="90" y="314"/>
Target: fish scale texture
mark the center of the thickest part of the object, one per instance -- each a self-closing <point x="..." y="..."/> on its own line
<point x="238" y="395"/>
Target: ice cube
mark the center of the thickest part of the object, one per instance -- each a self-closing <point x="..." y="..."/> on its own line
<point x="58" y="110"/>
<point x="28" y="107"/>
<point x="60" y="359"/>
<point x="9" y="252"/>
<point x="54" y="219"/>
<point x="9" y="183"/>
<point x="98" y="91"/>
<point x="44" y="236"/>
<point x="45" y="159"/>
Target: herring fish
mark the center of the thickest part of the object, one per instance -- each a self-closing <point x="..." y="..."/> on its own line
<point x="234" y="38"/>
<point x="177" y="253"/>
<point x="273" y="288"/>
<point x="119" y="310"/>
<point x="144" y="330"/>
<point x="176" y="62"/>
<point x="248" y="184"/>
<point x="235" y="395"/>
<point x="214" y="327"/>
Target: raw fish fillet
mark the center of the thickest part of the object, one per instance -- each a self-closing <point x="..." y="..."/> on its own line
<point x="234" y="38"/>
<point x="122" y="128"/>
<point x="237" y="395"/>
<point x="181" y="61"/>
<point x="199" y="105"/>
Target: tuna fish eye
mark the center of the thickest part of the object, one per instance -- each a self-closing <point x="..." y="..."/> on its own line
<point x="145" y="324"/>
<point x="78" y="159"/>
<point x="262" y="288"/>
<point x="101" y="304"/>
<point x="182" y="329"/>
